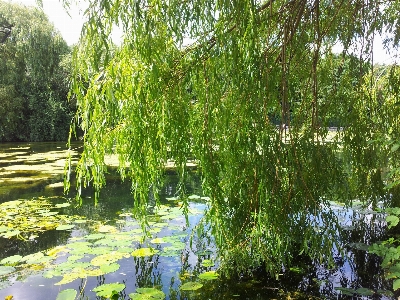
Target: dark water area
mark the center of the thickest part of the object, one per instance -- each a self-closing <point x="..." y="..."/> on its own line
<point x="35" y="171"/>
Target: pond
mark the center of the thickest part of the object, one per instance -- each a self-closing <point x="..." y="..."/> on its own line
<point x="53" y="248"/>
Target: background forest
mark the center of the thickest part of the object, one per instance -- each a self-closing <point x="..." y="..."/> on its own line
<point x="35" y="67"/>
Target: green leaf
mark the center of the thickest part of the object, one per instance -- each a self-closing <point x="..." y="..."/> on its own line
<point x="107" y="258"/>
<point x="191" y="286"/>
<point x="11" y="233"/>
<point x="210" y="275"/>
<point x="364" y="291"/>
<point x="34" y="258"/>
<point x="207" y="263"/>
<point x="94" y="236"/>
<point x="396" y="284"/>
<point x="392" y="220"/>
<point x="6" y="270"/>
<point x="111" y="268"/>
<point x="147" y="294"/>
<point x="11" y="260"/>
<point x="142" y="252"/>
<point x="109" y="289"/>
<point x="68" y="294"/>
<point x="395" y="147"/>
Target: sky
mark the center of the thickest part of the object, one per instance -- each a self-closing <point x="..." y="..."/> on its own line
<point x="70" y="27"/>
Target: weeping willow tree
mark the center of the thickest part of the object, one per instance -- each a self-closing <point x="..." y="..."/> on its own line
<point x="247" y="89"/>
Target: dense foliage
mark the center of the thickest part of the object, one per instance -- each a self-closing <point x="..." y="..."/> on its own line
<point x="211" y="80"/>
<point x="34" y="70"/>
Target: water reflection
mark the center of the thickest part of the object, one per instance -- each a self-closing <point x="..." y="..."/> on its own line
<point x="353" y="269"/>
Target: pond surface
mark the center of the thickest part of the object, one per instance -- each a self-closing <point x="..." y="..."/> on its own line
<point x="52" y="247"/>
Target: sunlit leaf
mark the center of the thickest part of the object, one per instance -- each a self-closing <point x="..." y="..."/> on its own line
<point x="66" y="204"/>
<point x="11" y="233"/>
<point x="111" y="268"/>
<point x="158" y="241"/>
<point x="207" y="263"/>
<point x="33" y="258"/>
<point x="107" y="258"/>
<point x="68" y="278"/>
<point x="142" y="252"/>
<point x="106" y="228"/>
<point x="56" y="250"/>
<point x="11" y="260"/>
<point x="210" y="275"/>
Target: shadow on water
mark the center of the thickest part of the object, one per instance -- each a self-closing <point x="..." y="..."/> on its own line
<point x="35" y="170"/>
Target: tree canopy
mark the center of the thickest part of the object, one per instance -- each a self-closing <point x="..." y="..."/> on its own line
<point x="34" y="74"/>
<point x="248" y="90"/>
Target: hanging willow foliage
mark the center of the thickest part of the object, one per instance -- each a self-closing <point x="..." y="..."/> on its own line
<point x="248" y="90"/>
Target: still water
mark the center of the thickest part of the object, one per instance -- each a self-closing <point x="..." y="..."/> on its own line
<point x="81" y="248"/>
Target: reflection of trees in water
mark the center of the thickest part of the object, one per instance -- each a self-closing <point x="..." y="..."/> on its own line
<point x="356" y="268"/>
<point x="147" y="273"/>
<point x="47" y="239"/>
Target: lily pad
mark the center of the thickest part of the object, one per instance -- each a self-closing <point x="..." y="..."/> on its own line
<point x="94" y="236"/>
<point x="107" y="229"/>
<point x="68" y="294"/>
<point x="109" y="268"/>
<point x="210" y="275"/>
<point x="147" y="294"/>
<point x="191" y="286"/>
<point x="11" y="260"/>
<point x="11" y="233"/>
<point x="6" y="270"/>
<point x="108" y="258"/>
<point x="70" y="277"/>
<point x="34" y="258"/>
<point x="158" y="241"/>
<point x="109" y="289"/>
<point x="207" y="263"/>
<point x="142" y="252"/>
<point x="65" y="227"/>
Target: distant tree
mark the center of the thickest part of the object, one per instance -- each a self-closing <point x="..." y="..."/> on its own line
<point x="33" y="83"/>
